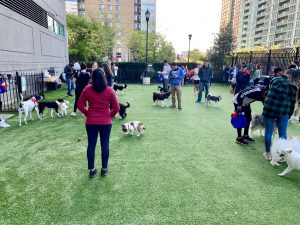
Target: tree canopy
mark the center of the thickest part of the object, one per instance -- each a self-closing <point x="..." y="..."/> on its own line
<point x="220" y="52"/>
<point x="89" y="40"/>
<point x="159" y="48"/>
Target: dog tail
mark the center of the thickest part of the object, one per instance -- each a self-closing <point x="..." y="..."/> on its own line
<point x="125" y="85"/>
<point x="128" y="105"/>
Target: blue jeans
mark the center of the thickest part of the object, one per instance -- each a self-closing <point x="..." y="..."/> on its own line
<point x="201" y="89"/>
<point x="282" y="130"/>
<point x="92" y="133"/>
<point x="70" y="84"/>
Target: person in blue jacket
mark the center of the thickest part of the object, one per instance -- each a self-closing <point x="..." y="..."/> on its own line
<point x="175" y="77"/>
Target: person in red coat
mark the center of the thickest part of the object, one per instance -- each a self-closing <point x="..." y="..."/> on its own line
<point x="99" y="104"/>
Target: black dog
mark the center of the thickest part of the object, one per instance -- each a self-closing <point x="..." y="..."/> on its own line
<point x="162" y="97"/>
<point x="161" y="89"/>
<point x="120" y="87"/>
<point x="51" y="105"/>
<point x="122" y="111"/>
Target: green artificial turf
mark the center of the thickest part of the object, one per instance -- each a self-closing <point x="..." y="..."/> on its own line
<point x="186" y="169"/>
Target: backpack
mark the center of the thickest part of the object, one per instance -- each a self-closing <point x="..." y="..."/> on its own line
<point x="3" y="85"/>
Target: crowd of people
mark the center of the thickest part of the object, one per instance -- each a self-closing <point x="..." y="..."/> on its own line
<point x="278" y="93"/>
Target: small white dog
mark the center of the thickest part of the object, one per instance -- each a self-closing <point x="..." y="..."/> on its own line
<point x="278" y="149"/>
<point x="63" y="108"/>
<point x="293" y="160"/>
<point x="27" y="107"/>
<point x="129" y="128"/>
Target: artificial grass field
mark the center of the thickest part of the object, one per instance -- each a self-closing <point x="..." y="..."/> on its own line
<point x="186" y="169"/>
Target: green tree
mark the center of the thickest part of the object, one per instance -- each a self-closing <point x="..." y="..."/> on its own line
<point x="159" y="48"/>
<point x="89" y="40"/>
<point x="219" y="54"/>
<point x="197" y="56"/>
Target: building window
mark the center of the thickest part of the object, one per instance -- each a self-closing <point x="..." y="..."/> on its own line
<point x="109" y="7"/>
<point x="118" y="1"/>
<point x="118" y="25"/>
<point x="118" y="7"/>
<point x="101" y="7"/>
<point x="118" y="17"/>
<point x="50" y="23"/>
<point x="55" y="26"/>
<point x="110" y="16"/>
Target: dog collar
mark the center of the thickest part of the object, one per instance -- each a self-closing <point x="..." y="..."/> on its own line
<point x="34" y="100"/>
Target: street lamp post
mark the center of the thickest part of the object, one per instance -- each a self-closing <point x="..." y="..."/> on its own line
<point x="147" y="15"/>
<point x="190" y="37"/>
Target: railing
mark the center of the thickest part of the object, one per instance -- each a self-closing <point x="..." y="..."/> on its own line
<point x="27" y="84"/>
<point x="268" y="58"/>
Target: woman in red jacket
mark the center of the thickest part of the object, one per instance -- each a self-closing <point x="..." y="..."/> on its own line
<point x="99" y="104"/>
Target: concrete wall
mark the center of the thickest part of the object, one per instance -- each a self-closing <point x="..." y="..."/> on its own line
<point x="25" y="46"/>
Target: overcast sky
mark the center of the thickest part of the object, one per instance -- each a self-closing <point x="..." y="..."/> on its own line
<point x="178" y="18"/>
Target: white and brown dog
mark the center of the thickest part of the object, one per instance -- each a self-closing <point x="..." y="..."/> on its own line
<point x="63" y="108"/>
<point x="28" y="106"/>
<point x="131" y="127"/>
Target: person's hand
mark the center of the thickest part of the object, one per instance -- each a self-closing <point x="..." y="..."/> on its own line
<point x="175" y="76"/>
<point x="239" y="108"/>
<point x="159" y="72"/>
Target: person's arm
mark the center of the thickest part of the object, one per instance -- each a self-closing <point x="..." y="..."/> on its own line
<point x="293" y="99"/>
<point x="200" y="73"/>
<point x="181" y="74"/>
<point x="170" y="75"/>
<point x="114" y="104"/>
<point x="81" y="105"/>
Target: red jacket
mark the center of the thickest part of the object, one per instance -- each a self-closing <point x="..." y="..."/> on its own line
<point x="98" y="107"/>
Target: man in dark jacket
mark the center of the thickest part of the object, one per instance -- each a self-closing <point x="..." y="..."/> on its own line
<point x="242" y="102"/>
<point x="242" y="79"/>
<point x="205" y="74"/>
<point x="69" y="76"/>
<point x="279" y="105"/>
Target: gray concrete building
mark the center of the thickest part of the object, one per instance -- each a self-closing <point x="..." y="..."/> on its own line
<point x="33" y="36"/>
<point x="269" y="22"/>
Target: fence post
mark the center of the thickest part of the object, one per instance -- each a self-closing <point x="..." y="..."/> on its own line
<point x="269" y="62"/>
<point x="232" y="60"/>
<point x="19" y="84"/>
<point x="297" y="53"/>
<point x="250" y="60"/>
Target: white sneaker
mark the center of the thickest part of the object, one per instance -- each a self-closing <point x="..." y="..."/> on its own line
<point x="73" y="114"/>
<point x="3" y="124"/>
<point x="295" y="118"/>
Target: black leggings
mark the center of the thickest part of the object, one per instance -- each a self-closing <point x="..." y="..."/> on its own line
<point x="247" y="111"/>
<point x="92" y="133"/>
<point x="77" y="96"/>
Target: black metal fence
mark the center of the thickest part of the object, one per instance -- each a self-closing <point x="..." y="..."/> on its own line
<point x="27" y="84"/>
<point x="268" y="59"/>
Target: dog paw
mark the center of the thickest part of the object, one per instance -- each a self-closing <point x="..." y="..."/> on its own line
<point x="281" y="174"/>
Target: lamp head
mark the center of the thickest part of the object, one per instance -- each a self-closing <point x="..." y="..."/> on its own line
<point x="147" y="14"/>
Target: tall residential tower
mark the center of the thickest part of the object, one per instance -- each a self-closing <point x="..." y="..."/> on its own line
<point x="269" y="22"/>
<point x="125" y="16"/>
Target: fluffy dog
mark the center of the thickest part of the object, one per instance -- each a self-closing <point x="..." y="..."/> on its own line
<point x="278" y="149"/>
<point x="51" y="105"/>
<point x="258" y="123"/>
<point x="215" y="99"/>
<point x="292" y="158"/>
<point x="131" y="127"/>
<point x="63" y="108"/>
<point x="122" y="111"/>
<point x="120" y="87"/>
<point x="28" y="106"/>
<point x="161" y="97"/>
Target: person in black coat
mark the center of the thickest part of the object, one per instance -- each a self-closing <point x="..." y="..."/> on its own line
<point x="81" y="82"/>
